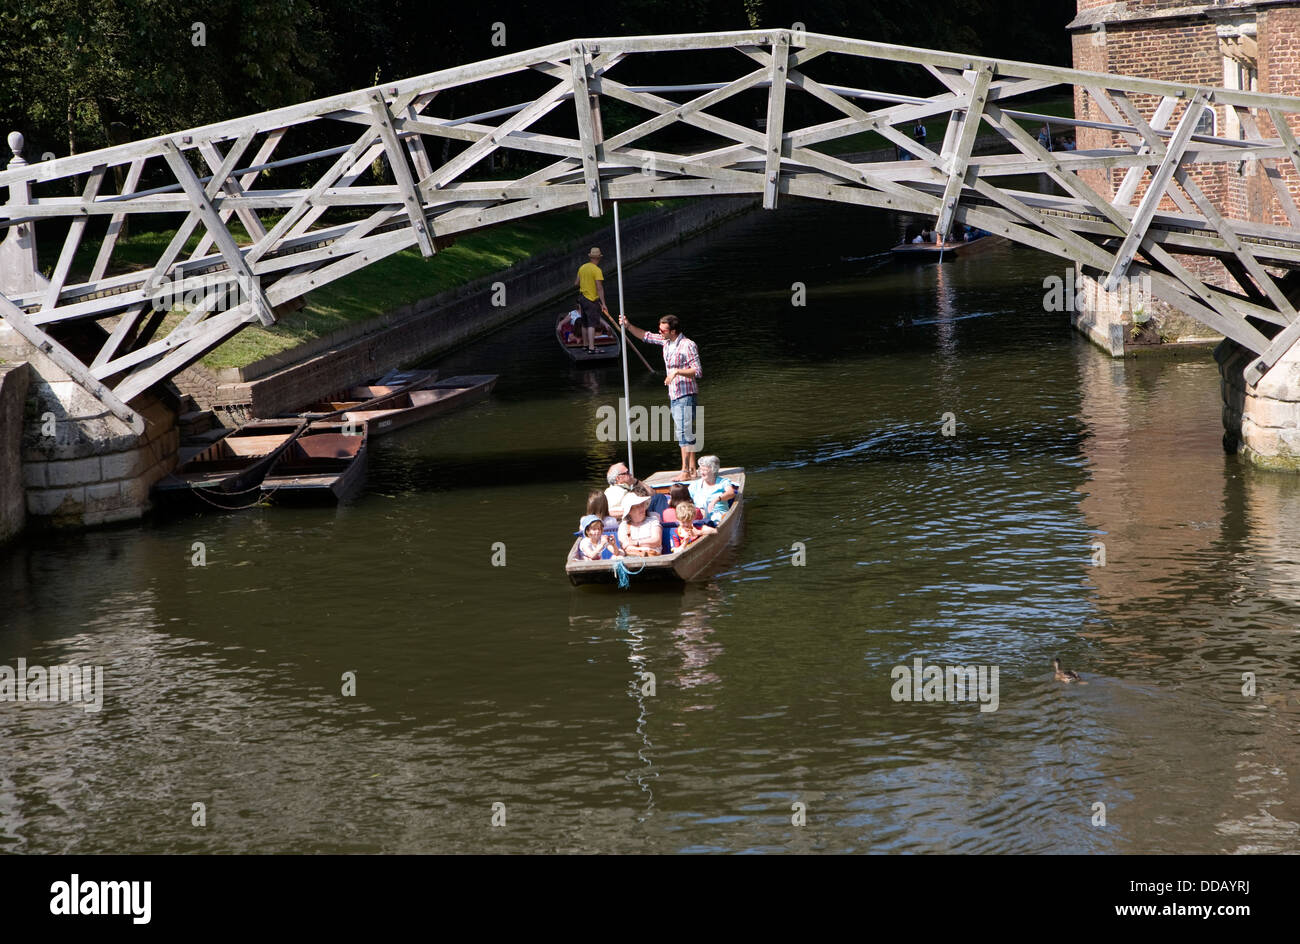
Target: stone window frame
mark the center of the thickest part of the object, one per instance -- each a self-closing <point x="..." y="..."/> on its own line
<point x="1240" y="52"/>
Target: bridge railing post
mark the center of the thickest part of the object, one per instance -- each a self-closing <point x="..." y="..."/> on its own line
<point x="19" y="269"/>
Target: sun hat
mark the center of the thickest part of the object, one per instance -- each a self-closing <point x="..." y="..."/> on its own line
<point x="631" y="501"/>
<point x="586" y="522"/>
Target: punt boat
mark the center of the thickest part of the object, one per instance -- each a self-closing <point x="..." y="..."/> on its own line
<point x="607" y="345"/>
<point x="953" y="249"/>
<point x="679" y="566"/>
<point x="287" y="459"/>
<point x="399" y="400"/>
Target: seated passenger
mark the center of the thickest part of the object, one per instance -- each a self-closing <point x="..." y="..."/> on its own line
<point x="688" y="529"/>
<point x="680" y="492"/>
<point x="620" y="484"/>
<point x="598" y="504"/>
<point x="711" y="493"/>
<point x="595" y="543"/>
<point x="640" y="534"/>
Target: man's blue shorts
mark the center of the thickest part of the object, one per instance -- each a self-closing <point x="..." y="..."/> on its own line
<point x="684" y="419"/>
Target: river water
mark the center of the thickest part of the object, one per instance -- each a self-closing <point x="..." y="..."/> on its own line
<point x="1081" y="507"/>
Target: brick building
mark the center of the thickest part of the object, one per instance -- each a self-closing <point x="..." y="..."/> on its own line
<point x="1251" y="45"/>
<point x="1240" y="44"/>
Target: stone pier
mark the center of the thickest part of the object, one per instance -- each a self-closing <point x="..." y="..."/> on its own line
<point x="1131" y="320"/>
<point x="64" y="460"/>
<point x="13" y="400"/>
<point x="81" y="466"/>
<point x="1261" y="422"/>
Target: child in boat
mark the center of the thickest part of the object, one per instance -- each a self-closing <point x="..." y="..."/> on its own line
<point x="676" y="495"/>
<point x="598" y="504"/>
<point x="595" y="543"/>
<point x="688" y="528"/>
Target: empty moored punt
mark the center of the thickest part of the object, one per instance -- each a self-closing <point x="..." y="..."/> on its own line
<point x="687" y="563"/>
<point x="381" y="412"/>
<point x="324" y="463"/>
<point x="607" y="346"/>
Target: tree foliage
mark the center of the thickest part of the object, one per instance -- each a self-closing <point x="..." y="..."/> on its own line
<point x="81" y="74"/>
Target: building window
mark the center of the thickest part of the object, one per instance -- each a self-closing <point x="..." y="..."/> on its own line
<point x="1240" y="67"/>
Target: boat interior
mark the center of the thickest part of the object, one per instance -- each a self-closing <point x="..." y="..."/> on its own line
<point x="667" y="519"/>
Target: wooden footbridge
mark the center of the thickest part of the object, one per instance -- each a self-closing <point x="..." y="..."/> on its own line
<point x="308" y="214"/>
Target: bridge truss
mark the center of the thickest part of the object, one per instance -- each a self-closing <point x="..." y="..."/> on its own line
<point x="259" y="204"/>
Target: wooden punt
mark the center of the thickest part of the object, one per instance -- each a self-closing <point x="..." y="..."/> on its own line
<point x="427" y="399"/>
<point x="684" y="564"/>
<point x="929" y="252"/>
<point x="607" y="345"/>
<point x="324" y="463"/>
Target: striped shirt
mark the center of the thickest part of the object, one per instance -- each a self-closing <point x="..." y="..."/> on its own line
<point x="678" y="354"/>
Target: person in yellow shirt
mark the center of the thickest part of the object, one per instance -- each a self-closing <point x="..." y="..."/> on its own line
<point x="591" y="298"/>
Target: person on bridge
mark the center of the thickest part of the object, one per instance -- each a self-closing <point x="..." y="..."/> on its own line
<point x="591" y="297"/>
<point x="682" y="366"/>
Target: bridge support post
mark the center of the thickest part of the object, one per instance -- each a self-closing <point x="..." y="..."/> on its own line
<point x="1129" y="318"/>
<point x="19" y="272"/>
<point x="1261" y="421"/>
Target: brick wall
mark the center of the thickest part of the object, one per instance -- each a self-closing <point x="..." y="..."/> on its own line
<point x="1279" y="73"/>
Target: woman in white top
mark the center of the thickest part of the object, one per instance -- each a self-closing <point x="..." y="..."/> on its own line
<point x="640" y="534"/>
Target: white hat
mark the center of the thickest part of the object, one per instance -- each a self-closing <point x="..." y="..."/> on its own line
<point x="631" y="500"/>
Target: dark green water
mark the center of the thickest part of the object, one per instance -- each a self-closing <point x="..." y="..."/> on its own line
<point x="478" y="684"/>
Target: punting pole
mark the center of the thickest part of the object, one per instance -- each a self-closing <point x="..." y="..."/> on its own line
<point x="627" y="399"/>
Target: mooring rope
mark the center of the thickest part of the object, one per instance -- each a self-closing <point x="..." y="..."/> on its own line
<point x="622" y="573"/>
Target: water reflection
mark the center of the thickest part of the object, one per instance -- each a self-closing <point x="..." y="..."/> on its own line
<point x="479" y="683"/>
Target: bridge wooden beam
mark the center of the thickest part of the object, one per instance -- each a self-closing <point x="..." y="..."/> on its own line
<point x="1160" y="181"/>
<point x="69" y="364"/>
<point x="246" y="181"/>
<point x="75" y="230"/>
<point x="1221" y="314"/>
<point x="585" y="107"/>
<point x="304" y="204"/>
<point x="1280" y="190"/>
<point x="230" y="185"/>
<point x="775" y="127"/>
<point x="225" y="242"/>
<point x="968" y="124"/>
<point x="115" y="224"/>
<point x="1154" y="146"/>
<point x="467" y="158"/>
<point x="401" y="168"/>
<point x="1247" y="259"/>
